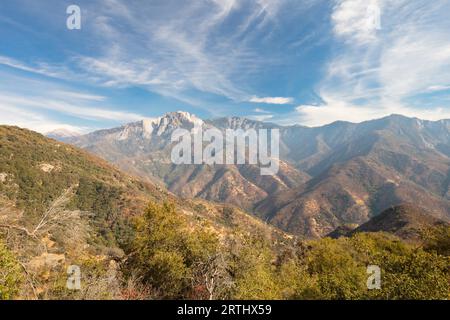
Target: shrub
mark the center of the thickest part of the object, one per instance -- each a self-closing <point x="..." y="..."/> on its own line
<point x="11" y="276"/>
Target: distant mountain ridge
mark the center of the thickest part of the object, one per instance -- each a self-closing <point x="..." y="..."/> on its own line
<point x="405" y="221"/>
<point x="62" y="134"/>
<point x="332" y="175"/>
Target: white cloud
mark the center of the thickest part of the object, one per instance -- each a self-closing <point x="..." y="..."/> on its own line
<point x="44" y="106"/>
<point x="262" y="118"/>
<point x="80" y="95"/>
<point x="437" y="88"/>
<point x="78" y="110"/>
<point x="380" y="72"/>
<point x="333" y="111"/>
<point x="272" y="100"/>
<point x="54" y="71"/>
<point x="338" y="110"/>
<point x="119" y="73"/>
<point x="173" y="54"/>
<point x="13" y="63"/>
<point x="357" y="20"/>
<point x="24" y="118"/>
<point x="259" y="110"/>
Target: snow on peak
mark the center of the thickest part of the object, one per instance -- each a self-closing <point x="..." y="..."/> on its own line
<point x="148" y="126"/>
<point x="184" y="116"/>
<point x="178" y="119"/>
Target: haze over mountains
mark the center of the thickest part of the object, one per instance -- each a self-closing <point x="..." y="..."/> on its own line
<point x="329" y="176"/>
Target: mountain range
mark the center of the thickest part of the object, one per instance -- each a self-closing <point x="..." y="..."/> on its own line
<point x="338" y="174"/>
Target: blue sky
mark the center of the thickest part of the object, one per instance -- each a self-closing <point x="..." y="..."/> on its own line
<point x="306" y="62"/>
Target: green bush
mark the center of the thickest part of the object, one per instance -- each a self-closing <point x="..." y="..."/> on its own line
<point x="253" y="270"/>
<point x="166" y="250"/>
<point x="10" y="274"/>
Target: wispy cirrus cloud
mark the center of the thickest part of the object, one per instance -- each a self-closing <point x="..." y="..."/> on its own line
<point x="41" y="68"/>
<point x="259" y="110"/>
<point x="44" y="105"/>
<point x="380" y="72"/>
<point x="259" y="117"/>
<point x="227" y="57"/>
<point x="176" y="53"/>
<point x="357" y="20"/>
<point x="437" y="88"/>
<point x="25" y="118"/>
<point x="201" y="47"/>
<point x="80" y="95"/>
<point x="272" y="100"/>
<point x="64" y="107"/>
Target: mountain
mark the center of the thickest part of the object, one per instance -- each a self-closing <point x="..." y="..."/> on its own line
<point x="405" y="221"/>
<point x="144" y="148"/>
<point x="35" y="171"/>
<point x="61" y="206"/>
<point x="360" y="170"/>
<point x="341" y="173"/>
<point x="342" y="231"/>
<point x="62" y="134"/>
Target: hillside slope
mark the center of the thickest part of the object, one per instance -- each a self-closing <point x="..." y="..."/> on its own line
<point x="35" y="171"/>
<point x="60" y="205"/>
<point x="405" y="221"/>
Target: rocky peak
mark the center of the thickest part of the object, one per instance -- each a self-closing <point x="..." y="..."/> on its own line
<point x="159" y="126"/>
<point x="240" y="123"/>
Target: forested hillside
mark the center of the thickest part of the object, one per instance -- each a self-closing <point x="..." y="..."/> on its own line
<point x="62" y="207"/>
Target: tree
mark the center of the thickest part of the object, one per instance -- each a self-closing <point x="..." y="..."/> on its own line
<point x="338" y="272"/>
<point x="253" y="269"/>
<point x="166" y="250"/>
<point x="11" y="276"/>
<point x="438" y="239"/>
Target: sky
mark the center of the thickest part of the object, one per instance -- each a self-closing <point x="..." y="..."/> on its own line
<point x="307" y="62"/>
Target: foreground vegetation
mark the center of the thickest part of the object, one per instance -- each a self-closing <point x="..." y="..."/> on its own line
<point x="177" y="263"/>
<point x="171" y="258"/>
